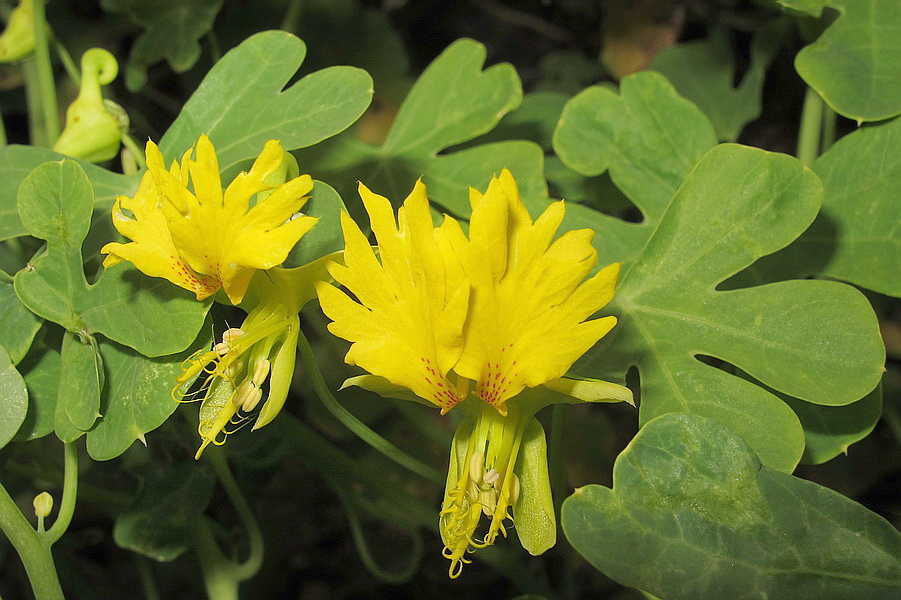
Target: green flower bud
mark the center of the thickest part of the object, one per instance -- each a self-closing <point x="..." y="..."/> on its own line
<point x="94" y="126"/>
<point x="43" y="504"/>
<point x="17" y="40"/>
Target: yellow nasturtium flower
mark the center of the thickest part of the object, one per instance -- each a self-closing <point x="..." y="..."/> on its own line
<point x="207" y="239"/>
<point x="186" y="229"/>
<point x="490" y="322"/>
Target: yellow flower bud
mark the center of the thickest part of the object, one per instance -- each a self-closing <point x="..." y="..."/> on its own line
<point x="43" y="504"/>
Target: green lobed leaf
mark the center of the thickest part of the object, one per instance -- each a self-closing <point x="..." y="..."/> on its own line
<point x="137" y="397"/>
<point x="855" y="65"/>
<point x="647" y="136"/>
<point x="160" y="522"/>
<point x="17" y="162"/>
<point x="453" y="102"/>
<point x="41" y="369"/>
<point x="855" y="237"/>
<point x="172" y="29"/>
<point x="830" y="430"/>
<point x="703" y="72"/>
<point x="326" y="236"/>
<point x="15" y="399"/>
<point x="242" y="102"/>
<point x="18" y="325"/>
<point x="150" y="315"/>
<point x="693" y="514"/>
<point x="737" y="205"/>
<point x="80" y="382"/>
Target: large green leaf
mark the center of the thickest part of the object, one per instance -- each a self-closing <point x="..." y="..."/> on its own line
<point x="855" y="65"/>
<point x="41" y="369"/>
<point x="693" y="514"/>
<point x="703" y="72"/>
<point x="242" y="102"/>
<point x="137" y="397"/>
<point x="647" y="136"/>
<point x="326" y="236"/>
<point x="151" y="315"/>
<point x="159" y="523"/>
<point x="172" y="29"/>
<point x="815" y="340"/>
<point x="451" y="103"/>
<point x="14" y="406"/>
<point x="16" y="162"/>
<point x="855" y="238"/>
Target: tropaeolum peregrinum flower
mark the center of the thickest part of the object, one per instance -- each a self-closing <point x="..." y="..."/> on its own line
<point x="490" y="322"/>
<point x="205" y="240"/>
<point x="209" y="239"/>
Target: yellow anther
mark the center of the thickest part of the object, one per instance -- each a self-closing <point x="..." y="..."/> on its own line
<point x="477" y="466"/>
<point x="243" y="393"/>
<point x="221" y="348"/>
<point x="233" y="370"/>
<point x="230" y="335"/>
<point x="261" y="371"/>
<point x="491" y="476"/>
<point x="514" y="489"/>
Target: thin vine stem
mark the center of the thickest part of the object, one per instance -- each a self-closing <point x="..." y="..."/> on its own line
<point x="355" y="425"/>
<point x="70" y="494"/>
<point x="251" y="565"/>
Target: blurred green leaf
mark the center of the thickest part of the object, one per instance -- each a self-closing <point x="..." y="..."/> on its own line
<point x="809" y="7"/>
<point x="16" y="162"/>
<point x="451" y="103"/>
<point x="150" y="315"/>
<point x="647" y="136"/>
<point x="703" y="519"/>
<point x="18" y="325"/>
<point x="855" y="65"/>
<point x="159" y="523"/>
<point x="15" y="399"/>
<point x="171" y="31"/>
<point x="703" y="72"/>
<point x="242" y="102"/>
<point x="737" y="205"/>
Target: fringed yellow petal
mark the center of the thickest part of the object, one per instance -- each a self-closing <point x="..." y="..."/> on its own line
<point x="405" y="320"/>
<point x="207" y="239"/>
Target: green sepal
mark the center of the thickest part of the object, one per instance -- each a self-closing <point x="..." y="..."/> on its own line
<point x="533" y="513"/>
<point x="589" y="390"/>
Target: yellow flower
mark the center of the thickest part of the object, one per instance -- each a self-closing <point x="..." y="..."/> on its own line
<point x="491" y="322"/>
<point x="253" y="364"/>
<point x="204" y="239"/>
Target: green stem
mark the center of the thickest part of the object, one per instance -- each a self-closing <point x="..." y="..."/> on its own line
<point x="829" y="119"/>
<point x="68" y="64"/>
<point x="45" y="75"/>
<point x="35" y="554"/>
<point x="148" y="583"/>
<point x="37" y="132"/>
<point x="355" y="425"/>
<point x="254" y="560"/>
<point x="136" y="153"/>
<point x="215" y="50"/>
<point x="811" y="127"/>
<point x="292" y="16"/>
<point x="218" y="577"/>
<point x="2" y="132"/>
<point x="70" y="494"/>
